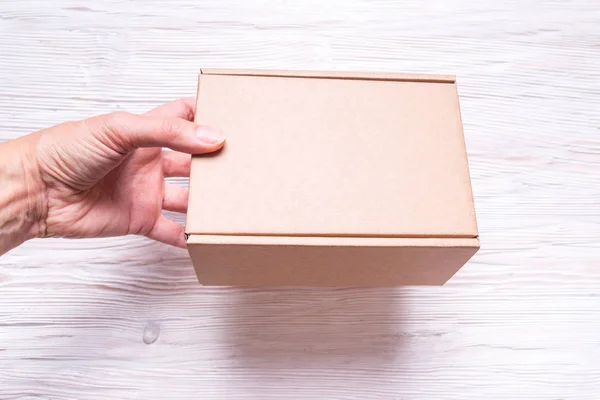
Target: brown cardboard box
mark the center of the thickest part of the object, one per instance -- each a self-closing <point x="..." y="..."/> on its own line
<point x="330" y="179"/>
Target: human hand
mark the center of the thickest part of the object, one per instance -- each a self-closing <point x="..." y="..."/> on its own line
<point x="105" y="176"/>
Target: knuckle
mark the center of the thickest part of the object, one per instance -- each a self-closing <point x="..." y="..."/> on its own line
<point x="117" y="118"/>
<point x="116" y="122"/>
<point x="188" y="112"/>
<point x="170" y="128"/>
<point x="117" y="128"/>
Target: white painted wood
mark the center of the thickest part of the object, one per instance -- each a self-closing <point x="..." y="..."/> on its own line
<point x="522" y="320"/>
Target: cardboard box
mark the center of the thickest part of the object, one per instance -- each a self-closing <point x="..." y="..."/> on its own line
<point x="330" y="179"/>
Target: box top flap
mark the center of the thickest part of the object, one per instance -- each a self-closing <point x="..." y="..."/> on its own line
<point x="336" y="154"/>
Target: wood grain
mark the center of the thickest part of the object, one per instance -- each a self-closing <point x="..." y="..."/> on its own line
<point x="521" y="320"/>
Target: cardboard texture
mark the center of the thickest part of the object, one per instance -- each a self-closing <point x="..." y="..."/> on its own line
<point x="330" y="179"/>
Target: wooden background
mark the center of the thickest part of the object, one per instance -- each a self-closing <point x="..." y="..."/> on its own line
<point x="125" y="319"/>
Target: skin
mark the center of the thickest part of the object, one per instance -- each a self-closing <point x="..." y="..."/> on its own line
<point x="102" y="176"/>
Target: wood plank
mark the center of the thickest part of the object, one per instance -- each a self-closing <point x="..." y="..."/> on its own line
<point x="124" y="318"/>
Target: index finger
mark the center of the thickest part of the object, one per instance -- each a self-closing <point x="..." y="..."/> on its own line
<point x="183" y="108"/>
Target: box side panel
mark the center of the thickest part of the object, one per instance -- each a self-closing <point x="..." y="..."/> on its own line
<point x="294" y="263"/>
<point x="467" y="181"/>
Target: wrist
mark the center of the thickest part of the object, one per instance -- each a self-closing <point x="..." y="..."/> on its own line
<point x="22" y="194"/>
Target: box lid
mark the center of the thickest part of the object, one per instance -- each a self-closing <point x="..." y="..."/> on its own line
<point x="331" y="154"/>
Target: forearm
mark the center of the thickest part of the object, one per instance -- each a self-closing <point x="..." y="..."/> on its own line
<point x="21" y="194"/>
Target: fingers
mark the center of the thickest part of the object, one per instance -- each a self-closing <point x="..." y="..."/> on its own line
<point x="176" y="164"/>
<point x="131" y="131"/>
<point x="182" y="108"/>
<point x="168" y="232"/>
<point x="175" y="198"/>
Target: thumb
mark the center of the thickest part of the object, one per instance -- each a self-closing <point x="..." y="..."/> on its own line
<point x="133" y="131"/>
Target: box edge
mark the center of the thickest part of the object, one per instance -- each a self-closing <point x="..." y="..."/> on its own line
<point x="352" y="75"/>
<point x="338" y="241"/>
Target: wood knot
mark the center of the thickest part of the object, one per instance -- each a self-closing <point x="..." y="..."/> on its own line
<point x="151" y="332"/>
